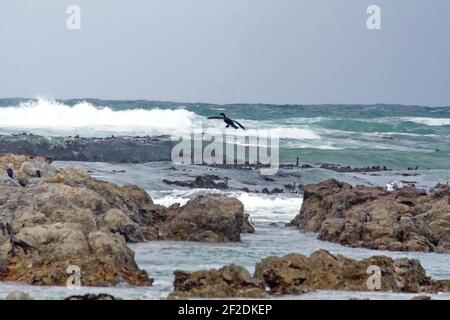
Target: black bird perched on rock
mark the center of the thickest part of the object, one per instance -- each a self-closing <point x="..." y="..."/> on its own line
<point x="7" y="230"/>
<point x="10" y="172"/>
<point x="228" y="121"/>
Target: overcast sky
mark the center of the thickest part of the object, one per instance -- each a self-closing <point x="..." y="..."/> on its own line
<point x="226" y="51"/>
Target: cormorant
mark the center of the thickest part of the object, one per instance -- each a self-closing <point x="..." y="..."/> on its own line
<point x="10" y="172"/>
<point x="7" y="230"/>
<point x="228" y="121"/>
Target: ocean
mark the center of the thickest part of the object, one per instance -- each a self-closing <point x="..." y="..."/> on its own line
<point x="395" y="136"/>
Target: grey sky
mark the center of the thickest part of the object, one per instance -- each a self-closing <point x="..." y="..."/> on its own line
<point x="224" y="51"/>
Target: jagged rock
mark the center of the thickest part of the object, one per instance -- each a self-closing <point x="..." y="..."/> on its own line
<point x="25" y="170"/>
<point x="407" y="219"/>
<point x="296" y="273"/>
<point x="57" y="218"/>
<point x="131" y="200"/>
<point x="247" y="226"/>
<point x="228" y="281"/>
<point x="211" y="218"/>
<point x="68" y="218"/>
<point x="18" y="295"/>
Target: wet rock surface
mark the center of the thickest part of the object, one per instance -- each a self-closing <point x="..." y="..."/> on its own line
<point x="407" y="219"/>
<point x="338" y="168"/>
<point x="229" y="281"/>
<point x="206" y="181"/>
<point x="121" y="149"/>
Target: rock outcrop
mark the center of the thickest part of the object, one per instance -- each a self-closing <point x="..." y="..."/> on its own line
<point x="211" y="218"/>
<point x="229" y="281"/>
<point x="51" y="219"/>
<point x="49" y="227"/>
<point x="296" y="273"/>
<point x="407" y="219"/>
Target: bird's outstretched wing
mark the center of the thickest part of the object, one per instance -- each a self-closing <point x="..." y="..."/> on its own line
<point x="216" y="117"/>
<point x="240" y="125"/>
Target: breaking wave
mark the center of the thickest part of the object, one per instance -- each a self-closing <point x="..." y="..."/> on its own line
<point x="42" y="116"/>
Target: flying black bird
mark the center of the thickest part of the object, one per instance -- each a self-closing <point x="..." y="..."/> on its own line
<point x="228" y="121"/>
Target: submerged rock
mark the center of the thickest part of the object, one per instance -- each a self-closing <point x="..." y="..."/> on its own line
<point x="407" y="219"/>
<point x="229" y="281"/>
<point x="338" y="168"/>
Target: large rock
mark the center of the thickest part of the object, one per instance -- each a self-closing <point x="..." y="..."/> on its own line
<point x="211" y="218"/>
<point x="51" y="219"/>
<point x="132" y="202"/>
<point x="229" y="281"/>
<point x="54" y="226"/>
<point x="296" y="273"/>
<point x="403" y="220"/>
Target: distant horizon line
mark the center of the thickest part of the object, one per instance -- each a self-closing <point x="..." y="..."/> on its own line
<point x="225" y="104"/>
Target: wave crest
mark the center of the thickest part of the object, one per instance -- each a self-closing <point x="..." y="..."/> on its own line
<point x="56" y="116"/>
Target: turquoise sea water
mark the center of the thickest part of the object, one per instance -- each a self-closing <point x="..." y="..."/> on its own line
<point x="359" y="135"/>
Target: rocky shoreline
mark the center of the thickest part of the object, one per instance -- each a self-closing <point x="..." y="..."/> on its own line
<point x="407" y="219"/>
<point x="51" y="219"/>
<point x="298" y="274"/>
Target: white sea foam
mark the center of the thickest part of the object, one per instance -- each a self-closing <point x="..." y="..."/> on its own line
<point x="270" y="208"/>
<point x="429" y="121"/>
<point x="281" y="132"/>
<point x="171" y="199"/>
<point x="260" y="207"/>
<point x="49" y="117"/>
<point x="46" y="115"/>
